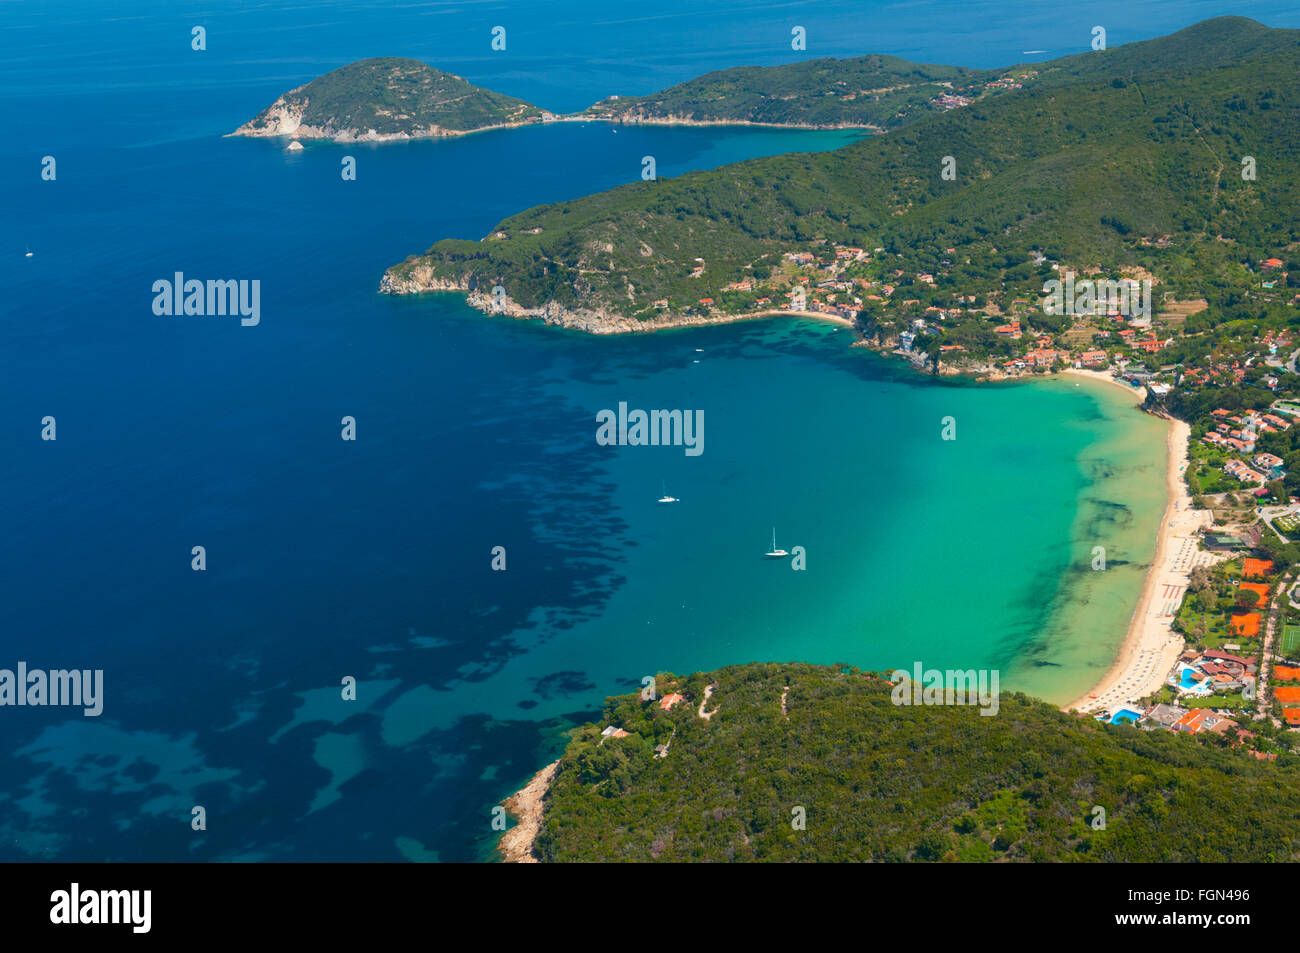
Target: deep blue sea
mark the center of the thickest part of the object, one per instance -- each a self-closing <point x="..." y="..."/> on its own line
<point x="371" y="558"/>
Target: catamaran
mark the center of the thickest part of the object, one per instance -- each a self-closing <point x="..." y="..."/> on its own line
<point x="666" y="498"/>
<point x="775" y="553"/>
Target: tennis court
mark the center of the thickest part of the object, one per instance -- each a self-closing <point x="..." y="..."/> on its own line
<point x="1291" y="640"/>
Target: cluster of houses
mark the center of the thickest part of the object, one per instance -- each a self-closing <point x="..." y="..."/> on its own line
<point x="949" y="101"/>
<point x="1010" y="82"/>
<point x="1239" y="432"/>
<point x="1235" y="468"/>
<point x="831" y="295"/>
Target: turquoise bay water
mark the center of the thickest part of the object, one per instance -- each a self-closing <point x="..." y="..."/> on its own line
<point x="372" y="559"/>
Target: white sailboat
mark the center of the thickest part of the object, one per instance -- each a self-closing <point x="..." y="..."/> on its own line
<point x="29" y="252"/>
<point x="775" y="553"/>
<point x="665" y="498"/>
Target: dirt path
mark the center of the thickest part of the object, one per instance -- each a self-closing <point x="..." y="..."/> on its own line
<point x="785" y="693"/>
<point x="706" y="715"/>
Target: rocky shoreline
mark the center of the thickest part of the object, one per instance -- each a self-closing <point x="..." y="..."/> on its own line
<point x="421" y="279"/>
<point x="674" y="119"/>
<point x="516" y="844"/>
<point x="283" y="120"/>
<point x="590" y="320"/>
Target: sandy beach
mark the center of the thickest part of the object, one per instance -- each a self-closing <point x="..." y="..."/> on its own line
<point x="1151" y="647"/>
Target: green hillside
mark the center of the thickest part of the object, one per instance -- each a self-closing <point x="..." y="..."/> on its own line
<point x="877" y="91"/>
<point x="1098" y="154"/>
<point x="882" y="782"/>
<point x="392" y="96"/>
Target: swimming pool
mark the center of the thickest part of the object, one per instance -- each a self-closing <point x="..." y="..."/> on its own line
<point x="1187" y="681"/>
<point x="1125" y="716"/>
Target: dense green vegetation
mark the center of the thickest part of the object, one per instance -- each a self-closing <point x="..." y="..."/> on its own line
<point x="394" y="95"/>
<point x="879" y="91"/>
<point x="1099" y="155"/>
<point x="882" y="782"/>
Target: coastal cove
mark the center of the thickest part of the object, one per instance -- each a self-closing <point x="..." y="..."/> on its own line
<point x="1042" y="472"/>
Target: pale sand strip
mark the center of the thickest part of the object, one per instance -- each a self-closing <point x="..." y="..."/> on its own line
<point x="1151" y="647"/>
<point x="516" y="844"/>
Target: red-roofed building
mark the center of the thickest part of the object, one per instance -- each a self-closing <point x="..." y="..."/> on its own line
<point x="668" y="701"/>
<point x="1226" y="657"/>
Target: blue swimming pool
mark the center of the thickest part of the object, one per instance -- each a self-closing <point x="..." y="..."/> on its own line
<point x="1125" y="716"/>
<point x="1186" y="680"/>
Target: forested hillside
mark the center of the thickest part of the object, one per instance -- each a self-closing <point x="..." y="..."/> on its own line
<point x="877" y="781"/>
<point x="877" y="91"/>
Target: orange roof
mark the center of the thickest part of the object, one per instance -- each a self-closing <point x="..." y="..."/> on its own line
<point x="1191" y="722"/>
<point x="1255" y="568"/>
<point x="668" y="701"/>
<point x="1247" y="625"/>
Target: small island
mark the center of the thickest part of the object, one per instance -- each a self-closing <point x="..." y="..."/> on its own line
<point x="388" y="98"/>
